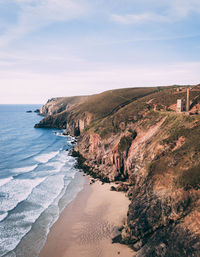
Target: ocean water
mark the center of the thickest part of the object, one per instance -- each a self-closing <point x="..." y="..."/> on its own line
<point x="38" y="179"/>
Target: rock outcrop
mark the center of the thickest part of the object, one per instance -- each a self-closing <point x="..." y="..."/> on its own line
<point x="58" y="111"/>
<point x="50" y="107"/>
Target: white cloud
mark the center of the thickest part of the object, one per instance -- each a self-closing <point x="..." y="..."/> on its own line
<point x="52" y="10"/>
<point x="35" y="14"/>
<point x="172" y="10"/>
<point x="182" y="8"/>
<point x="139" y="18"/>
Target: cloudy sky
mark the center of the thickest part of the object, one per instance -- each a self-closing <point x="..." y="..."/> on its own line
<point x="54" y="48"/>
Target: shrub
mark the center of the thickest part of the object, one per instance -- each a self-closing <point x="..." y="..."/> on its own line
<point x="126" y="141"/>
<point x="189" y="178"/>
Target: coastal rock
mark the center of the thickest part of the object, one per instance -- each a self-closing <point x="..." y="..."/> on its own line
<point x="158" y="209"/>
<point x="58" y="114"/>
<point x="50" y="107"/>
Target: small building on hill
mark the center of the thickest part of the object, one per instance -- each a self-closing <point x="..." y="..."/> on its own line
<point x="181" y="105"/>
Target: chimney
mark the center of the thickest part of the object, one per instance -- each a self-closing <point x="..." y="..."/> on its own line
<point x="188" y="100"/>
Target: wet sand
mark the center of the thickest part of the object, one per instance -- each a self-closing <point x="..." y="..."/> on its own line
<point x="87" y="225"/>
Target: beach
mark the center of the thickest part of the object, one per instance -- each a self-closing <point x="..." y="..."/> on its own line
<point x="87" y="225"/>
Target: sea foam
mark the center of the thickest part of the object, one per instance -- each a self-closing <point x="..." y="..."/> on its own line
<point x="24" y="169"/>
<point x="5" y="180"/>
<point x="45" y="157"/>
<point x="39" y="200"/>
<point x="16" y="191"/>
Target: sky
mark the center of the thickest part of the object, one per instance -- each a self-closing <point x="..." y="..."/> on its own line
<point x="51" y="48"/>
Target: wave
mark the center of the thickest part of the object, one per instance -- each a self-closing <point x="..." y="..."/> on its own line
<point x="5" y="180"/>
<point x="59" y="162"/>
<point x="40" y="172"/>
<point x="62" y="163"/>
<point x="37" y="236"/>
<point x="60" y="134"/>
<point x="16" y="191"/>
<point x="3" y="215"/>
<point x="37" y="153"/>
<point x="55" y="166"/>
<point x="45" y="157"/>
<point x="37" y="202"/>
<point x="24" y="169"/>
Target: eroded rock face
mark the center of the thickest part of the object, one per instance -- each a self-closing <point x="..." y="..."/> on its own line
<point x="58" y="114"/>
<point x="157" y="212"/>
<point x="107" y="156"/>
<point x="75" y="124"/>
<point x="49" y="108"/>
<point x="170" y="241"/>
<point x="154" y="224"/>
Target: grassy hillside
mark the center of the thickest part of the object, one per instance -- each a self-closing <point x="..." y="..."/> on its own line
<point x="99" y="105"/>
<point x="147" y="107"/>
<point x="109" y="102"/>
<point x="112" y="110"/>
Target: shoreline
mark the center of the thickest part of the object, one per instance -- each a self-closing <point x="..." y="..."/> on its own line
<point x="87" y="225"/>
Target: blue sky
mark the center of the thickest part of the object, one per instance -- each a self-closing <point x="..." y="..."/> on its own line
<point x="54" y="48"/>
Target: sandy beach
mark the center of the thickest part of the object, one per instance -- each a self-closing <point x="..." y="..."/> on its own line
<point x="87" y="225"/>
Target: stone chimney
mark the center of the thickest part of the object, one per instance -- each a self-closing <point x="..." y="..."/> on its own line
<point x="188" y="100"/>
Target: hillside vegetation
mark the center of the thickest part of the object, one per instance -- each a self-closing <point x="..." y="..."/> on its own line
<point x="99" y="105"/>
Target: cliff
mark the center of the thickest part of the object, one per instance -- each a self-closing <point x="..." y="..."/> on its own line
<point x="134" y="137"/>
<point x="56" y="111"/>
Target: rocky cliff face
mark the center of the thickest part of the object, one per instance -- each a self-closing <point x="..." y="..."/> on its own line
<point x="50" y="107"/>
<point x="156" y="221"/>
<point x="58" y="113"/>
<point x="153" y="155"/>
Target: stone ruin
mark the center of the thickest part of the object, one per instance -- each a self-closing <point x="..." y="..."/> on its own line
<point x="184" y="104"/>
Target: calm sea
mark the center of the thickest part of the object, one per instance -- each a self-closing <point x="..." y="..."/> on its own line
<point x="37" y="180"/>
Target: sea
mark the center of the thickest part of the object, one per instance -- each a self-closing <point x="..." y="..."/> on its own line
<point x="38" y="179"/>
